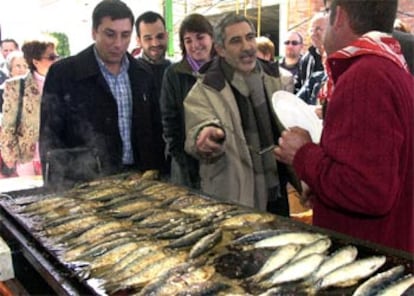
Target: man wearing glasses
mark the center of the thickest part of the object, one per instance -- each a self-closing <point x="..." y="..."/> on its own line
<point x="293" y="52"/>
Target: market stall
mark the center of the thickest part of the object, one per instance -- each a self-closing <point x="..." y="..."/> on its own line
<point x="124" y="235"/>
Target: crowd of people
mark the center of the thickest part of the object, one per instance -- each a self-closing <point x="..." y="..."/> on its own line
<point x="206" y="121"/>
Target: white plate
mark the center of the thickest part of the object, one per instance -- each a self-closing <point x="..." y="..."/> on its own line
<point x="292" y="111"/>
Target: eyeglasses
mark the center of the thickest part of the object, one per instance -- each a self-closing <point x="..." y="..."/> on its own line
<point x="51" y="57"/>
<point x="293" y="42"/>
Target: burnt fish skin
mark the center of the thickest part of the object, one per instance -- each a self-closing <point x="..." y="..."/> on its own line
<point x="277" y="259"/>
<point x="204" y="289"/>
<point x="191" y="238"/>
<point x="148" y="273"/>
<point x="256" y="236"/>
<point x="371" y="286"/>
<point x="206" y="243"/>
<point x="179" y="279"/>
<point x="399" y="287"/>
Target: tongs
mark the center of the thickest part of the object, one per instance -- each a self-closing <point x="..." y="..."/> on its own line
<point x="250" y="147"/>
<point x="266" y="149"/>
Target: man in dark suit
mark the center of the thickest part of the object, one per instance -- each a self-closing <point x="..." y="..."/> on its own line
<point x="100" y="104"/>
<point x="152" y="38"/>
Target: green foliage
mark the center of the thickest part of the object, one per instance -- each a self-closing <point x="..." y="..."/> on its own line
<point x="62" y="49"/>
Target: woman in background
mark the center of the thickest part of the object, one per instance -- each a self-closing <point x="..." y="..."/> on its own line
<point x="196" y="42"/>
<point x="16" y="64"/>
<point x="20" y="123"/>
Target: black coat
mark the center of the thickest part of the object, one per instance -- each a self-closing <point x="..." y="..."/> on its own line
<point x="407" y="47"/>
<point x="178" y="81"/>
<point x="79" y="110"/>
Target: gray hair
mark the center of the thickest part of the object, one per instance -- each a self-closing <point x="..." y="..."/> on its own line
<point x="228" y="20"/>
<point x="11" y="56"/>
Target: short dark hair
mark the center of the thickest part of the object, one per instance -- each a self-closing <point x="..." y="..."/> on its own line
<point x="368" y="15"/>
<point x="148" y="17"/>
<point x="11" y="41"/>
<point x="196" y="23"/>
<point x="34" y="50"/>
<point x="228" y="20"/>
<point x="115" y="9"/>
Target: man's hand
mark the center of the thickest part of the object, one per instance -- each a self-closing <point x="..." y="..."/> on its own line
<point x="290" y="142"/>
<point x="210" y="141"/>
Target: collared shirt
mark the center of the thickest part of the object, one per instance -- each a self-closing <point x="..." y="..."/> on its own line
<point x="121" y="90"/>
<point x="40" y="80"/>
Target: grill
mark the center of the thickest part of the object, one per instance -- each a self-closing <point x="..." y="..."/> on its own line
<point x="58" y="278"/>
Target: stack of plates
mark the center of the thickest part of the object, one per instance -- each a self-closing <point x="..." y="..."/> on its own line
<point x="292" y="111"/>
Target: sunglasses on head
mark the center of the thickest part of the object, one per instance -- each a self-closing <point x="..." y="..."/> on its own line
<point x="293" y="42"/>
<point x="51" y="57"/>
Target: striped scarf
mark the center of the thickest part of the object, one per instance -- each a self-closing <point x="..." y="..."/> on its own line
<point x="371" y="43"/>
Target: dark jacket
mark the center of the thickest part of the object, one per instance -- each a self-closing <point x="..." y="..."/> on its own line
<point x="407" y="47"/>
<point x="79" y="110"/>
<point x="309" y="63"/>
<point x="178" y="80"/>
<point x="157" y="72"/>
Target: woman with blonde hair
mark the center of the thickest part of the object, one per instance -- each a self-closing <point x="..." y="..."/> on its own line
<point x="21" y="109"/>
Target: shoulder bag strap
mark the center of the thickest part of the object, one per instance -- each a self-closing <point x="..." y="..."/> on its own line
<point x="20" y="104"/>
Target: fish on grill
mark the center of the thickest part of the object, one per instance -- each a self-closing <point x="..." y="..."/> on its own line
<point x="76" y="223"/>
<point x="297" y="270"/>
<point x="137" y="256"/>
<point x="277" y="259"/>
<point x="205" y="244"/>
<point x="160" y="218"/>
<point x="148" y="273"/>
<point x="320" y="246"/>
<point x="399" y="287"/>
<point x="190" y="238"/>
<point x="379" y="281"/>
<point x="247" y="219"/>
<point x="100" y="230"/>
<point x="341" y="257"/>
<point x="108" y="258"/>
<point x="256" y="236"/>
<point x="136" y="265"/>
<point x="76" y="251"/>
<point x="289" y="238"/>
<point x="349" y="274"/>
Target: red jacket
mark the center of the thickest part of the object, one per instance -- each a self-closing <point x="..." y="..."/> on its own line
<point x="362" y="172"/>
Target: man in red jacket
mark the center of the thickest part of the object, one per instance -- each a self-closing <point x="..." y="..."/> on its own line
<point x="361" y="175"/>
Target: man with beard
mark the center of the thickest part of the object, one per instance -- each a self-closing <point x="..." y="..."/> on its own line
<point x="153" y="38"/>
<point x="361" y="174"/>
<point x="228" y="119"/>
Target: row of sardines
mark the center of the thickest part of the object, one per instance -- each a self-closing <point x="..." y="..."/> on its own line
<point x="125" y="234"/>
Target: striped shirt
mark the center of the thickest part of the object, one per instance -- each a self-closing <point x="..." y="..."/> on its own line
<point x="121" y="90"/>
